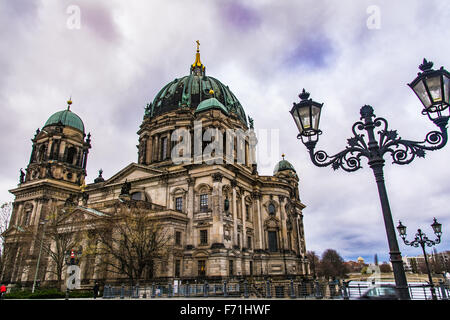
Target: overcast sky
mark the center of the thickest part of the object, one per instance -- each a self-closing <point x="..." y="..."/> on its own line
<point x="112" y="58"/>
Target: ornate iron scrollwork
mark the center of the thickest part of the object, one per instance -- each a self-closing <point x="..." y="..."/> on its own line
<point x="402" y="151"/>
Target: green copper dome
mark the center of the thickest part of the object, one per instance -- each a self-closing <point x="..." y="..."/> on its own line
<point x="283" y="165"/>
<point x="66" y="118"/>
<point x="191" y="91"/>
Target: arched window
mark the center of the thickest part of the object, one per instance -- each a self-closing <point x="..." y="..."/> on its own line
<point x="27" y="214"/>
<point x="271" y="209"/>
<point x="71" y="152"/>
<point x="138" y="196"/>
<point x="203" y="202"/>
<point x="203" y="199"/>
<point x="178" y="199"/>
<point x="42" y="150"/>
<point x="273" y="241"/>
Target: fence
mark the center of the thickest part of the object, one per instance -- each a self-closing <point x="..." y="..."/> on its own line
<point x="417" y="291"/>
<point x="306" y="289"/>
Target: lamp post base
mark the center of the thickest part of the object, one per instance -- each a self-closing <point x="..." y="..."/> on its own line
<point x="401" y="282"/>
<point x="395" y="256"/>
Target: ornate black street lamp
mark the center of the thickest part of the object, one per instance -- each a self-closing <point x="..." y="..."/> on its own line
<point x="422" y="240"/>
<point x="433" y="89"/>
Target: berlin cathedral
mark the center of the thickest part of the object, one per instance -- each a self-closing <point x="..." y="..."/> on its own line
<point x="226" y="220"/>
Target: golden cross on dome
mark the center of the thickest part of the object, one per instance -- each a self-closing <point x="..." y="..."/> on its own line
<point x="197" y="62"/>
<point x="69" y="102"/>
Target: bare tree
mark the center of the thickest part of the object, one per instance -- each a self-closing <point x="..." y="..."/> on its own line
<point x="314" y="262"/>
<point x="414" y="265"/>
<point x="332" y="265"/>
<point x="57" y="236"/>
<point x="385" y="267"/>
<point x="5" y="216"/>
<point x="131" y="240"/>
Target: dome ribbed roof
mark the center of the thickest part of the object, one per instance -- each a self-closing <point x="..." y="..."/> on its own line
<point x="197" y="92"/>
<point x="190" y="91"/>
<point x="66" y="118"/>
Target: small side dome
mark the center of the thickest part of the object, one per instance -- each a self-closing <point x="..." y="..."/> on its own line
<point x="66" y="118"/>
<point x="282" y="166"/>
<point x="211" y="103"/>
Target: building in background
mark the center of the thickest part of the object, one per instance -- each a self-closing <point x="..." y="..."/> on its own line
<point x="439" y="262"/>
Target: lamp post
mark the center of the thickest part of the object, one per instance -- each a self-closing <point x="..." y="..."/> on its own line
<point x="39" y="257"/>
<point x="433" y="89"/>
<point x="422" y="240"/>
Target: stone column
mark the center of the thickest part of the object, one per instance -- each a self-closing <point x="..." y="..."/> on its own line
<point x="165" y="181"/>
<point x="217" y="228"/>
<point x="260" y="223"/>
<point x="190" y="211"/>
<point x="149" y="149"/>
<point x="49" y="148"/>
<point x="299" y="241"/>
<point x="283" y="223"/>
<point x="297" y="220"/>
<point x="169" y="145"/>
<point x="156" y="148"/>
<point x="234" y="210"/>
<point x="247" y="156"/>
<point x="37" y="208"/>
<point x="244" y="234"/>
<point x="244" y="216"/>
<point x="62" y="149"/>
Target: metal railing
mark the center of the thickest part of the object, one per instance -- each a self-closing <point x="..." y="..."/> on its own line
<point x="417" y="291"/>
<point x="293" y="289"/>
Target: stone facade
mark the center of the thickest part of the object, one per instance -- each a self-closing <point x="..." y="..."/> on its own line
<point x="225" y="218"/>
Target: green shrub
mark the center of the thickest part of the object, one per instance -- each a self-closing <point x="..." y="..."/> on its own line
<point x="47" y="294"/>
<point x="18" y="294"/>
<point x="81" y="294"/>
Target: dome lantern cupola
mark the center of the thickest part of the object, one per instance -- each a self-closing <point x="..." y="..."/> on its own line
<point x="198" y="68"/>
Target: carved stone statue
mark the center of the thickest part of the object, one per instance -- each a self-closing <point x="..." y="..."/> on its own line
<point x="22" y="176"/>
<point x="85" y="197"/>
<point x="100" y="177"/>
<point x="126" y="187"/>
<point x="250" y="120"/>
<point x="226" y="204"/>
<point x="148" y="109"/>
<point x="70" y="201"/>
<point x="48" y="171"/>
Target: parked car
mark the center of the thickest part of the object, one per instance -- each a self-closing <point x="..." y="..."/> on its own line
<point x="381" y="292"/>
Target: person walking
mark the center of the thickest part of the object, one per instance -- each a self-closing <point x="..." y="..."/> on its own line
<point x="2" y="291"/>
<point x="95" y="289"/>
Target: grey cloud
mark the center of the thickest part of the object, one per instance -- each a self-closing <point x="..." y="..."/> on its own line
<point x="126" y="52"/>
